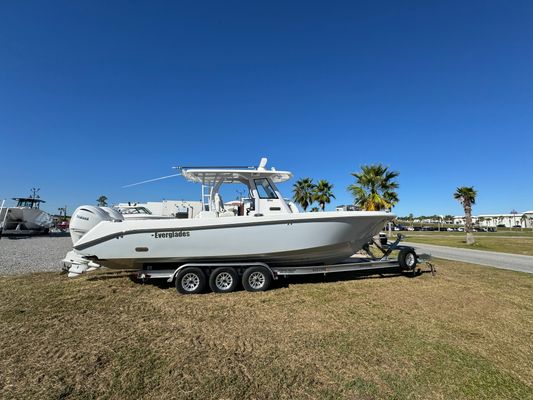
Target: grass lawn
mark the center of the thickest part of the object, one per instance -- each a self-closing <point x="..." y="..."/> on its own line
<point x="515" y="233"/>
<point x="512" y="245"/>
<point x="463" y="334"/>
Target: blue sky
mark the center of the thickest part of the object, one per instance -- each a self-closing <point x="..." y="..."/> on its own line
<point x="96" y="95"/>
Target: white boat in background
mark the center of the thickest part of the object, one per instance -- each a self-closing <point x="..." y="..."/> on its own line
<point x="131" y="212"/>
<point x="265" y="228"/>
<point x="25" y="218"/>
<point x="159" y="209"/>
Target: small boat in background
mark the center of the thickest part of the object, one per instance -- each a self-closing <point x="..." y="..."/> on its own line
<point x="26" y="218"/>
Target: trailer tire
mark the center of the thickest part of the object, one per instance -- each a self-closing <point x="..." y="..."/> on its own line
<point x="223" y="280"/>
<point x="190" y="280"/>
<point x="256" y="279"/>
<point x="407" y="259"/>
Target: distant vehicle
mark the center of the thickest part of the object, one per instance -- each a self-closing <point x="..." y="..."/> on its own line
<point x="63" y="226"/>
<point x="501" y="226"/>
<point x="460" y="229"/>
<point x="517" y="226"/>
<point x="428" y="228"/>
<point x="449" y="229"/>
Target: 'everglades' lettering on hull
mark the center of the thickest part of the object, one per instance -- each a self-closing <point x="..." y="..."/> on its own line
<point x="170" y="235"/>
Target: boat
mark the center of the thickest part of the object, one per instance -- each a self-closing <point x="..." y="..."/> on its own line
<point x="264" y="228"/>
<point x="159" y="209"/>
<point x="130" y="212"/>
<point x="25" y="218"/>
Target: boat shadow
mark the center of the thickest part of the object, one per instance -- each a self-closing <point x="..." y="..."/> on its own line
<point x="385" y="273"/>
<point x="108" y="275"/>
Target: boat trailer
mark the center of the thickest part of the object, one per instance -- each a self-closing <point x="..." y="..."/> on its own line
<point x="191" y="278"/>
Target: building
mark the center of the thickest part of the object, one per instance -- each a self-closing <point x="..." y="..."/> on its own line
<point x="348" y="207"/>
<point x="518" y="220"/>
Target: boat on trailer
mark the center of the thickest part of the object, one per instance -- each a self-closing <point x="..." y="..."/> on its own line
<point x="263" y="230"/>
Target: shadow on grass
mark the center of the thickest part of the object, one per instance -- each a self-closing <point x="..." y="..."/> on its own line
<point x="111" y="275"/>
<point x="385" y="273"/>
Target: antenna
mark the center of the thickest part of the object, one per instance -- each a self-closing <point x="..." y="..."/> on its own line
<point x="214" y="167"/>
<point x="151" y="180"/>
<point x="34" y="192"/>
<point x="262" y="164"/>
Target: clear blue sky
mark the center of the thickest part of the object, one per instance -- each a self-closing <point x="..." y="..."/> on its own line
<point x="96" y="95"/>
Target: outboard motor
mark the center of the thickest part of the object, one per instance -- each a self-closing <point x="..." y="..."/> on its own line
<point x="87" y="217"/>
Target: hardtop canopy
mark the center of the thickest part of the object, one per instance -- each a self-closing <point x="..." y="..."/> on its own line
<point x="29" y="199"/>
<point x="212" y="175"/>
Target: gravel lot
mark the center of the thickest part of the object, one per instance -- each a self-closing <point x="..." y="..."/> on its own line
<point x="32" y="254"/>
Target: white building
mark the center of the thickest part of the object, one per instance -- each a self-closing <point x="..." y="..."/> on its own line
<point x="520" y="219"/>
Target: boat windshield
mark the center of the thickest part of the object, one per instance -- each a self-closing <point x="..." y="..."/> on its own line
<point x="28" y="203"/>
<point x="134" y="210"/>
<point x="264" y="188"/>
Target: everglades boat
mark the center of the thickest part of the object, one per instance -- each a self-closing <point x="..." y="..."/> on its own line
<point x="264" y="227"/>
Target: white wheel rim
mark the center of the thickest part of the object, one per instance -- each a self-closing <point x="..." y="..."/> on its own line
<point x="256" y="280"/>
<point x="410" y="259"/>
<point x="224" y="281"/>
<point x="190" y="282"/>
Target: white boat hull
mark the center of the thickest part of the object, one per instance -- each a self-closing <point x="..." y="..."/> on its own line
<point x="290" y="239"/>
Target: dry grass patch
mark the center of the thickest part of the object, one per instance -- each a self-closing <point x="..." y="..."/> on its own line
<point x="463" y="334"/>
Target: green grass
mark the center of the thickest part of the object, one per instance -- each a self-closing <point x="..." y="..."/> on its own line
<point x="464" y="334"/>
<point x="523" y="246"/>
<point x="515" y="233"/>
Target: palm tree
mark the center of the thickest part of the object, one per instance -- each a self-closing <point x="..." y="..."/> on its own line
<point x="467" y="197"/>
<point x="523" y="221"/>
<point x="374" y="189"/>
<point x="513" y="212"/>
<point x="322" y="193"/>
<point x="303" y="192"/>
<point x="102" y="201"/>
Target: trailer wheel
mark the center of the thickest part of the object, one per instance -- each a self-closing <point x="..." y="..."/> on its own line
<point x="223" y="280"/>
<point x="407" y="259"/>
<point x="190" y="280"/>
<point x="256" y="279"/>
